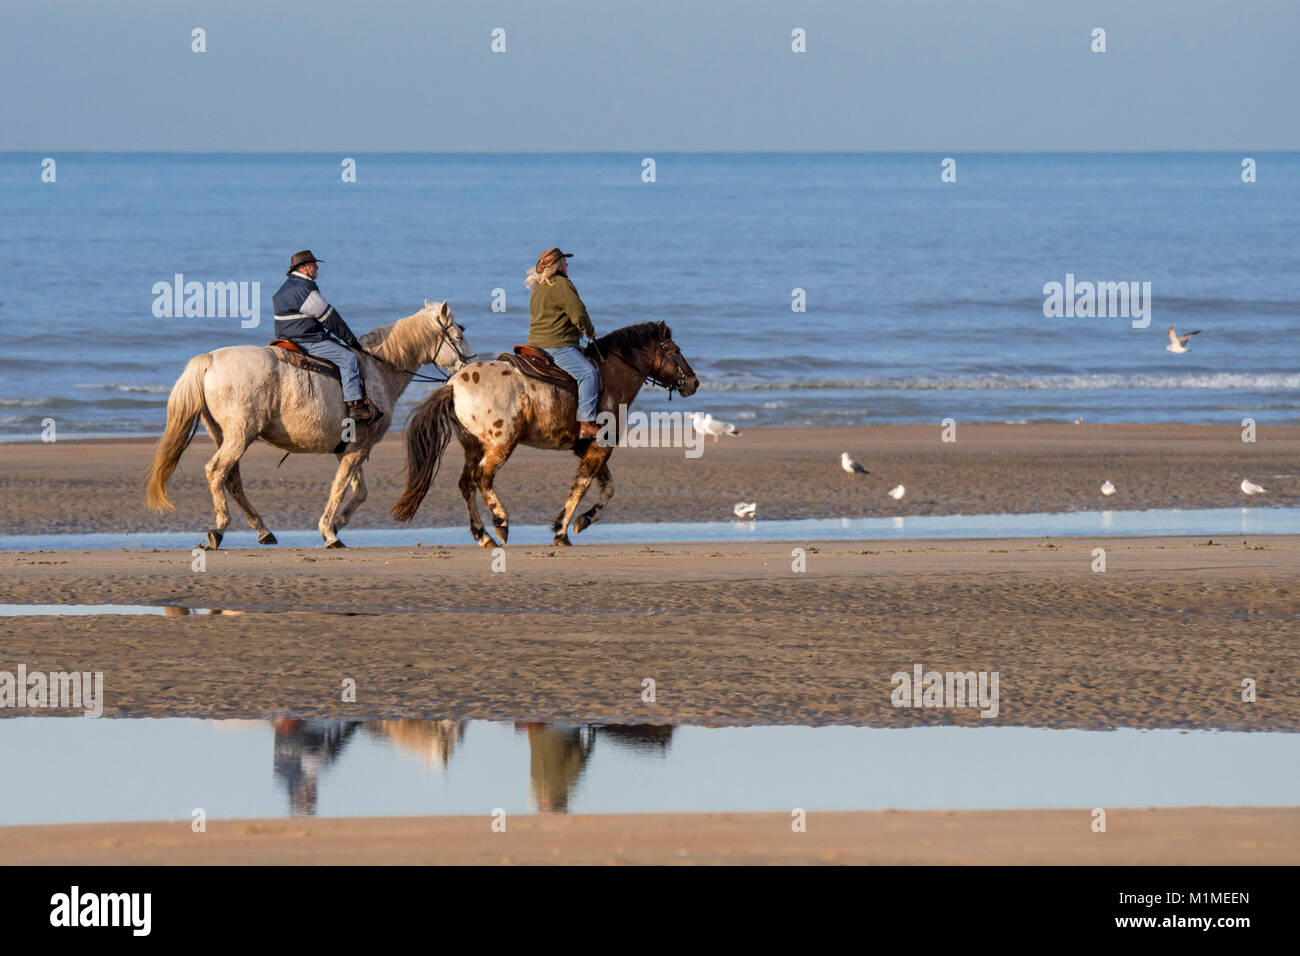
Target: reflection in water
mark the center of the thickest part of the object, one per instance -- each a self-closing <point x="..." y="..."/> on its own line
<point x="432" y="740"/>
<point x="303" y="748"/>
<point x="558" y="753"/>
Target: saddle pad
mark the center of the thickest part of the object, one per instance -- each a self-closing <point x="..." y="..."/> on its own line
<point x="290" y="353"/>
<point x="537" y="364"/>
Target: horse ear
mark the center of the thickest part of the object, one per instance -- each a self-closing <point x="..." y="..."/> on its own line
<point x="442" y="309"/>
<point x="662" y="329"/>
<point x="428" y="306"/>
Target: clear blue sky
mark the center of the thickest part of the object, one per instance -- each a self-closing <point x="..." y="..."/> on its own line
<point x="671" y="75"/>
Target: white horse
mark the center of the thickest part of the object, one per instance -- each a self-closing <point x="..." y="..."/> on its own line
<point x="245" y="394"/>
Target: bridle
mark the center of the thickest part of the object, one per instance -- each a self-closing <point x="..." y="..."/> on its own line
<point x="675" y="386"/>
<point x="666" y="347"/>
<point x="444" y="335"/>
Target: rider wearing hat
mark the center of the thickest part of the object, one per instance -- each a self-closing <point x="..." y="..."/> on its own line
<point x="559" y="319"/>
<point x="304" y="317"/>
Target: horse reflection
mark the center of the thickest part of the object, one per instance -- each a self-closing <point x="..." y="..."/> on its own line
<point x="558" y="753"/>
<point x="432" y="740"/>
<point x="303" y="748"/>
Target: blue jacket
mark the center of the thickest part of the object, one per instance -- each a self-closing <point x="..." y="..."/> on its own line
<point x="303" y="315"/>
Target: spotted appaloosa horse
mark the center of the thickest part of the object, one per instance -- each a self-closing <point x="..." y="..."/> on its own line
<point x="491" y="407"/>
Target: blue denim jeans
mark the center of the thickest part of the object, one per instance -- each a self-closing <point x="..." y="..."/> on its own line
<point x="345" y="359"/>
<point x="579" y="366"/>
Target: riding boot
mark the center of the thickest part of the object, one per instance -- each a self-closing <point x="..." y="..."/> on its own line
<point x="362" y="412"/>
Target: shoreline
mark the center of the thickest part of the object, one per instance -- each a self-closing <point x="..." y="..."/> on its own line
<point x="1219" y="836"/>
<point x="95" y="485"/>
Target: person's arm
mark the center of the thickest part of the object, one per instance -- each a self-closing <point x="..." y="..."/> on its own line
<point x="328" y="316"/>
<point x="575" y="309"/>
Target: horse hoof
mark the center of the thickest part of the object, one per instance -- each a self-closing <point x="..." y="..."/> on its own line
<point x="581" y="524"/>
<point x="336" y="543"/>
<point x="562" y="541"/>
<point x="503" y="531"/>
<point x="266" y="538"/>
<point x="485" y="541"/>
<point x="214" y="540"/>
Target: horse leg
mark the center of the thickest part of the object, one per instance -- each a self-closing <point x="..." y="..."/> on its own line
<point x="217" y="470"/>
<point x="349" y="463"/>
<point x="469" y="483"/>
<point x="591" y="463"/>
<point x="493" y="459"/>
<point x="359" y="493"/>
<point x="236" y="488"/>
<point x="592" y="514"/>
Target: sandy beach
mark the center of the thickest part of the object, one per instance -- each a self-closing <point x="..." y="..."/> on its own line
<point x="1174" y="837"/>
<point x="792" y="472"/>
<point x="730" y="634"/>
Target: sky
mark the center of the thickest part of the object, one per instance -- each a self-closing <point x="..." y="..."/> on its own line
<point x="669" y="76"/>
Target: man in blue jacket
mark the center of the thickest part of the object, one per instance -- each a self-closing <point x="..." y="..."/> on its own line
<point x="304" y="317"/>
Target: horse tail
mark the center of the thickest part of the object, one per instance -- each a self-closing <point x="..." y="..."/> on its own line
<point x="184" y="406"/>
<point x="427" y="433"/>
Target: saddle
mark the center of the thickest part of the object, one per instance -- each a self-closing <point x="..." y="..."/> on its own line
<point x="292" y="354"/>
<point x="535" y="363"/>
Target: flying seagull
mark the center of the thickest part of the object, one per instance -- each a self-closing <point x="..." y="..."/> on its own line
<point x="708" y="425"/>
<point x="897" y="493"/>
<point x="742" y="510"/>
<point x="1250" y="488"/>
<point x="1178" y="343"/>
<point x="1107" y="489"/>
<point x="851" y="466"/>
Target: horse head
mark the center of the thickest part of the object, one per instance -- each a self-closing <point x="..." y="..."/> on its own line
<point x="669" y="367"/>
<point x="450" y="350"/>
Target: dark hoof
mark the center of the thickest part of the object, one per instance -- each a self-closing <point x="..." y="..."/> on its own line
<point x="214" y="540"/>
<point x="266" y="538"/>
<point x="336" y="543"/>
<point x="581" y="523"/>
<point x="502" y="530"/>
<point x="562" y="541"/>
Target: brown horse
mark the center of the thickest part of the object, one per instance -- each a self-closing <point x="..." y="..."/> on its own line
<point x="492" y="407"/>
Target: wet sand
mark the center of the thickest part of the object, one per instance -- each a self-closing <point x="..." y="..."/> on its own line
<point x="95" y="486"/>
<point x="730" y="634"/>
<point x="1191" y="836"/>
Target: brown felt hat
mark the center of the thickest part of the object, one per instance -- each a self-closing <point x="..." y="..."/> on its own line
<point x="301" y="259"/>
<point x="549" y="256"/>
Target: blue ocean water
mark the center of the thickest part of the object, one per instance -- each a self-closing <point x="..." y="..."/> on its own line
<point x="924" y="299"/>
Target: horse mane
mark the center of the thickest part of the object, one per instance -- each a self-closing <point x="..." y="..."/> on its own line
<point x="404" y="343"/>
<point x="631" y="337"/>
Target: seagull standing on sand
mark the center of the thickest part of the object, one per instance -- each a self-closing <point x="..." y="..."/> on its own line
<point x="897" y="493"/>
<point x="851" y="466"/>
<point x="708" y="425"/>
<point x="1178" y="343"/>
<point x="1250" y="488"/>
<point x="1107" y="488"/>
<point x="742" y="510"/>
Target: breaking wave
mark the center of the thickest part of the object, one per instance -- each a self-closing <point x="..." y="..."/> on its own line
<point x="975" y="383"/>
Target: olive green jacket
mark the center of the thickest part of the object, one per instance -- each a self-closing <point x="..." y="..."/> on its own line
<point x="558" y="315"/>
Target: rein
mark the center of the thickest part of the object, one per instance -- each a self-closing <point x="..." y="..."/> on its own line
<point x="417" y="375"/>
<point x="674" y="386"/>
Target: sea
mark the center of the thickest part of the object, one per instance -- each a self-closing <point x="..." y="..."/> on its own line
<point x="805" y="289"/>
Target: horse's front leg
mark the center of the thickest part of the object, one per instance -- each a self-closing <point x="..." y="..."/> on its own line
<point x="592" y="462"/>
<point x="349" y="464"/>
<point x="593" y="513"/>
